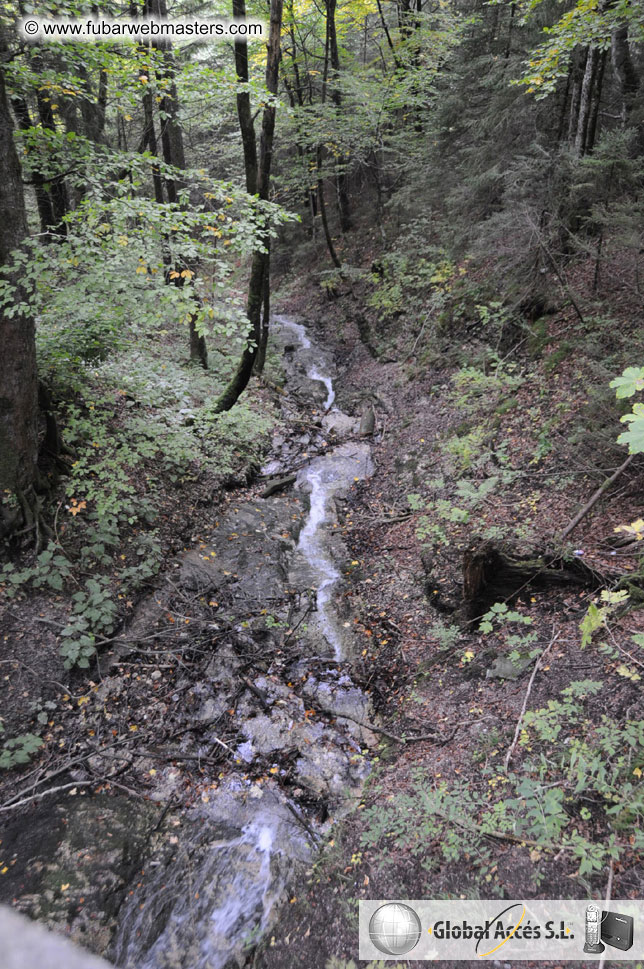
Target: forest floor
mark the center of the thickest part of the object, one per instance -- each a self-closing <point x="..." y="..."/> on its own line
<point x="453" y="693"/>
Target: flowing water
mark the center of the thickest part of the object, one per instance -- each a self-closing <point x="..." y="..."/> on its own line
<point x="326" y="478"/>
<point x="213" y="886"/>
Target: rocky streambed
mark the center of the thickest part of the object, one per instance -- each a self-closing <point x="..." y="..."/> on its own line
<point x="255" y="739"/>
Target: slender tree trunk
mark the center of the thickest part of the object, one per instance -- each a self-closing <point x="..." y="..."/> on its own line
<point x="334" y="57"/>
<point x="174" y="154"/>
<point x="150" y="142"/>
<point x="43" y="198"/>
<point x="591" y="133"/>
<point x="586" y="101"/>
<point x="624" y="70"/>
<point x="321" y="200"/>
<point x="18" y="375"/>
<point x="260" y="359"/>
<point x="325" y="222"/>
<point x="58" y="190"/>
<point x="564" y="107"/>
<point x="385" y="28"/>
<point x="579" y="57"/>
<point x="629" y="81"/>
<point x="260" y="268"/>
<point x="246" y="125"/>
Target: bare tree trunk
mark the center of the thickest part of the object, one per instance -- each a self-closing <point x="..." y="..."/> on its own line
<point x="624" y="69"/>
<point x="43" y="198"/>
<point x="629" y="80"/>
<point x="321" y="200"/>
<point x="325" y="222"/>
<point x="591" y="133"/>
<point x="334" y="56"/>
<point x="260" y="359"/>
<point x="58" y="190"/>
<point x="586" y="101"/>
<point x="246" y="125"/>
<point x="579" y="58"/>
<point x="18" y="376"/>
<point x="260" y="269"/>
<point x="174" y="154"/>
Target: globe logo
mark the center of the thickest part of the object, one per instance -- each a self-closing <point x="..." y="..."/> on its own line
<point x="394" y="929"/>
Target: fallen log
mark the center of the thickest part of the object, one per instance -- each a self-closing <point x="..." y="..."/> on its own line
<point x="491" y="575"/>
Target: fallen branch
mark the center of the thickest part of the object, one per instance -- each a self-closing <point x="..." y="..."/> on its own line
<point x="301" y="820"/>
<point x="51" y="790"/>
<point x="595" y="498"/>
<point x="422" y="330"/>
<point x="380" y="730"/>
<point x="508" y="756"/>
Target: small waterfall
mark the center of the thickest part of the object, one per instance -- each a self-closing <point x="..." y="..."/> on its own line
<point x="212" y="892"/>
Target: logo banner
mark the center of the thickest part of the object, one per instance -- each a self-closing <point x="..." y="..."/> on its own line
<point x="544" y="929"/>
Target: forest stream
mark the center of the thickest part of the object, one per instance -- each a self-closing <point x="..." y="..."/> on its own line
<point x="207" y="880"/>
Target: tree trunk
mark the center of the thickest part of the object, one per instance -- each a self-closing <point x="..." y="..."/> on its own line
<point x="578" y="67"/>
<point x="591" y="133"/>
<point x="334" y="56"/>
<point x="18" y="375"/>
<point x="323" y="214"/>
<point x="260" y="359"/>
<point x="260" y="269"/>
<point x="58" y="189"/>
<point x="43" y="198"/>
<point x="586" y="101"/>
<point x="174" y="154"/>
<point x="246" y="125"/>
<point x="629" y="81"/>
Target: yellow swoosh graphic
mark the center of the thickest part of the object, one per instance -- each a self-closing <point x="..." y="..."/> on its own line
<point x="482" y="955"/>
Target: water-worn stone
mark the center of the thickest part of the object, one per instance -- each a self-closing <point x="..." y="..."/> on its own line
<point x="72" y="862"/>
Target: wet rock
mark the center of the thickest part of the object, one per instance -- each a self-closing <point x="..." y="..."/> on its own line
<point x="332" y="773"/>
<point x="214" y="883"/>
<point x="73" y="862"/>
<point x="339" y="424"/>
<point x="504" y="668"/>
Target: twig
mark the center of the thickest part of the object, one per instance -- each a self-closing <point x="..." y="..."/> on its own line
<point x="595" y="498"/>
<point x="265" y="705"/>
<point x="307" y="827"/>
<point x="51" y="790"/>
<point x="422" y="330"/>
<point x="508" y="756"/>
<point x="385" y="733"/>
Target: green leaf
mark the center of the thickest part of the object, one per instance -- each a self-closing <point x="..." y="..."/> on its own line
<point x="631" y="381"/>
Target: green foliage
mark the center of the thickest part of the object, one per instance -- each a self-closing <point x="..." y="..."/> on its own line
<point x="467" y="449"/>
<point x="476" y="391"/>
<point x="630" y="383"/>
<point x="19" y="750"/>
<point x="500" y="615"/>
<point x="599" y="766"/>
<point x="131" y="414"/>
<point x="399" y="279"/>
<point x="596" y="616"/>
